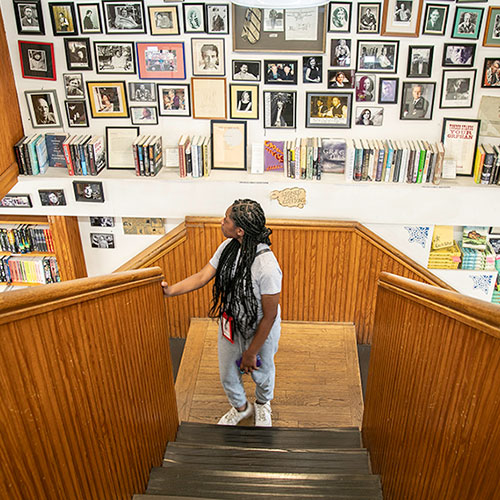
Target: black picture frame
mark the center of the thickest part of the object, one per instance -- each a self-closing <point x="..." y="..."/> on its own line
<point x="76" y="113"/>
<point x="377" y="56"/>
<point x="252" y="72"/>
<point x="388" y="90"/>
<point x="368" y="21"/>
<point x="457" y="88"/>
<point x="37" y="60"/>
<point x="142" y="91"/>
<point x="366" y="86"/>
<point x="244" y="101"/>
<point x="174" y="99"/>
<point x="339" y="17"/>
<point x="414" y="106"/>
<point x="284" y="100"/>
<point x="339" y="79"/>
<point x="52" y="197"/>
<point x="78" y="55"/>
<point x="114" y="58"/>
<point x="63" y="18"/>
<point x="102" y="240"/>
<point x="123" y="17"/>
<point x="16" y="201"/>
<point x="29" y="23"/>
<point x="144" y="115"/>
<point x="88" y="191"/>
<point x="328" y="109"/>
<point x="74" y="87"/>
<point x="340" y="52"/>
<point x="99" y="221"/>
<point x="194" y="17"/>
<point x="217" y="24"/>
<point x="490" y="77"/>
<point x="459" y="55"/>
<point x="312" y="69"/>
<point x="90" y="18"/>
<point x="420" y="59"/>
<point x="275" y="71"/>
<point x="432" y="24"/>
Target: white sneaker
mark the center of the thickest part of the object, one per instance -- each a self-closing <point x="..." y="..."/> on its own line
<point x="233" y="416"/>
<point x="263" y="415"/>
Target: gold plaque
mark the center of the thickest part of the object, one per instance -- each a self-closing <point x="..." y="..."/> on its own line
<point x="290" y="197"/>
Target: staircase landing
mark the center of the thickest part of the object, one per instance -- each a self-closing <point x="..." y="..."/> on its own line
<point x="317" y="377"/>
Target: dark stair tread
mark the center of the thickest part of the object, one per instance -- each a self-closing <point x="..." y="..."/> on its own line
<point x="154" y="496"/>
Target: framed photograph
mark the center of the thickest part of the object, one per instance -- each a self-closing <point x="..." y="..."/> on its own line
<point x="164" y="20"/>
<point x="194" y="17"/>
<point x="279" y="71"/>
<point x="29" y="17"/>
<point x="107" y="99"/>
<point x="102" y="240"/>
<point x="16" y="201"/>
<point x="76" y="112"/>
<point x="457" y="88"/>
<point x="208" y="96"/>
<point x="217" y="19"/>
<point x="369" y="116"/>
<point x="492" y="30"/>
<point x="494" y="230"/>
<point x="339" y="17"/>
<point x="377" y="57"/>
<point x="114" y="57"/>
<point x="467" y="23"/>
<point x="43" y="106"/>
<point x="365" y="88"/>
<point x="417" y="101"/>
<point x="280" y="109"/>
<point x="229" y="145"/>
<point x="63" y="17"/>
<point x="37" y="60"/>
<point x="340" y="53"/>
<point x="161" y="61"/>
<point x="174" y="100"/>
<point x="52" y="197"/>
<point x="90" y="18"/>
<point x="312" y="69"/>
<point x="419" y="61"/>
<point x="284" y="30"/>
<point x="341" y="79"/>
<point x="401" y="17"/>
<point x="144" y="115"/>
<point x="328" y="110"/>
<point x="459" y="54"/>
<point x="78" y="53"/>
<point x="388" y="90"/>
<point x="491" y="72"/>
<point x="119" y="153"/>
<point x="88" y="191"/>
<point x="102" y="221"/>
<point x="368" y="17"/>
<point x="246" y="70"/>
<point x="141" y="91"/>
<point x="124" y="16"/>
<point x="73" y="85"/>
<point x="208" y="56"/>
<point x="244" y="100"/>
<point x="435" y="18"/>
<point x="460" y="138"/>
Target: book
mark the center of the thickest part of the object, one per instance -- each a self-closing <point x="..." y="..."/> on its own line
<point x="489" y="159"/>
<point x="478" y="163"/>
<point x="474" y="237"/>
<point x="42" y="154"/>
<point x="182" y="144"/>
<point x="442" y="237"/>
<point x="55" y="150"/>
<point x="358" y="160"/>
<point x="135" y="152"/>
<point x="273" y="156"/>
<point x="156" y="155"/>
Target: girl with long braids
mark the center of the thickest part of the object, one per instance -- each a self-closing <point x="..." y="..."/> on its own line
<point x="246" y="294"/>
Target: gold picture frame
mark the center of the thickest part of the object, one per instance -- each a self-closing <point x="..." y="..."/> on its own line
<point x="108" y="99"/>
<point x="244" y="99"/>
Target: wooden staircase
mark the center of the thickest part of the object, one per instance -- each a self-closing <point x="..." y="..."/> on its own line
<point x="225" y="462"/>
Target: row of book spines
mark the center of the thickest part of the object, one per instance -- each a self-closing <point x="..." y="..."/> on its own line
<point x="195" y="156"/>
<point x="301" y="158"/>
<point x="413" y="161"/>
<point x="148" y="154"/>
<point x="31" y="155"/>
<point x="487" y="164"/>
<point x="84" y="154"/>
<point x="42" y="270"/>
<point x="26" y="238"/>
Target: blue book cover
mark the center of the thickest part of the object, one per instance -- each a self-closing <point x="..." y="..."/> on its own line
<point x="55" y="149"/>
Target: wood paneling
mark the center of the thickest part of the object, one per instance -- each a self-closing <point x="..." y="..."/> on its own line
<point x="88" y="400"/>
<point x="433" y="398"/>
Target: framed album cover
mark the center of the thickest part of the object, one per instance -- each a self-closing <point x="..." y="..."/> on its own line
<point x="37" y="60"/>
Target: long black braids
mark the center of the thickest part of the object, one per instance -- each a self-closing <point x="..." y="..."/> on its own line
<point x="232" y="289"/>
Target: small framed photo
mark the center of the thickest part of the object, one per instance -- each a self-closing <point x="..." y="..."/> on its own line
<point x="114" y="57"/>
<point x="76" y="112"/>
<point x="369" y="116"/>
<point x="312" y="69"/>
<point x="280" y="71"/>
<point x="43" y="107"/>
<point x="107" y="99"/>
<point x="388" y="90"/>
<point x="208" y="56"/>
<point x="88" y="191"/>
<point x="417" y="101"/>
<point x="144" y="115"/>
<point x="90" y="18"/>
<point x="102" y="240"/>
<point x="339" y="17"/>
<point x="457" y="88"/>
<point x="194" y="17"/>
<point x="174" y="100"/>
<point x="161" y="60"/>
<point x="492" y="30"/>
<point x="217" y="19"/>
<point x="244" y="100"/>
<point x="280" y="109"/>
<point x="246" y="70"/>
<point x="328" y="110"/>
<point x="401" y="17"/>
<point x="119" y="152"/>
<point x="52" y="197"/>
<point x="420" y="61"/>
<point x="102" y="221"/>
<point x="16" y="201"/>
<point x="63" y="17"/>
<point x="37" y="60"/>
<point x="73" y="85"/>
<point x="229" y="144"/>
<point x="491" y="72"/>
<point x="208" y="96"/>
<point x="78" y="53"/>
<point x="467" y="23"/>
<point x="368" y="18"/>
<point x="365" y="88"/>
<point x="123" y="17"/>
<point x="142" y="91"/>
<point x="435" y="18"/>
<point x="460" y="138"/>
<point x="377" y="57"/>
<point x="273" y="20"/>
<point x="164" y="20"/>
<point x="29" y="17"/>
<point x="459" y="54"/>
<point x="340" y="53"/>
<point x="341" y="79"/>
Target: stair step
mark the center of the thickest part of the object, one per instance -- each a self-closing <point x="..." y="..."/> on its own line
<point x="269" y="437"/>
<point x="222" y="484"/>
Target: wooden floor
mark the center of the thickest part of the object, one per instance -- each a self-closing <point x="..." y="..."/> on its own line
<point x="317" y="377"/>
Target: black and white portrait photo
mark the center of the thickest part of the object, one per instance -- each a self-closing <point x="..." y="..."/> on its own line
<point x="420" y="61"/>
<point x="37" y="60"/>
<point x="246" y="70"/>
<point x="124" y="17"/>
<point x="144" y="115"/>
<point x="78" y="53"/>
<point x="340" y="52"/>
<point x="379" y="57"/>
<point x="434" y="22"/>
<point x="341" y="79"/>
<point x="142" y="91"/>
<point x="27" y="15"/>
<point x="457" y="88"/>
<point x="217" y="19"/>
<point x="459" y="54"/>
<point x="368" y="17"/>
<point x="208" y="56"/>
<point x="76" y="112"/>
<point x="402" y="11"/>
<point x="88" y="191"/>
<point x="90" y="19"/>
<point x="102" y="240"/>
<point x="388" y="90"/>
<point x="115" y="57"/>
<point x="73" y="85"/>
<point x="102" y="221"/>
<point x="274" y="19"/>
<point x="52" y="197"/>
<point x="312" y="69"/>
<point x="279" y="109"/>
<point x="194" y="17"/>
<point x="340" y="17"/>
<point x="43" y="108"/>
<point x="369" y="116"/>
<point x="417" y="101"/>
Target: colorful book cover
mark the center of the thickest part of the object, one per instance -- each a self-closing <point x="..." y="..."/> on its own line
<point x="273" y="156"/>
<point x="55" y="149"/>
<point x="474" y="237"/>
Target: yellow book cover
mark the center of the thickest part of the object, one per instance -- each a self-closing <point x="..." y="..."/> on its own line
<point x="442" y="237"/>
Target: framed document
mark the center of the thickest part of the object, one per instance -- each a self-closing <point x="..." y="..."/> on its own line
<point x="229" y="144"/>
<point x="119" y="151"/>
<point x="209" y="98"/>
<point x="460" y="139"/>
